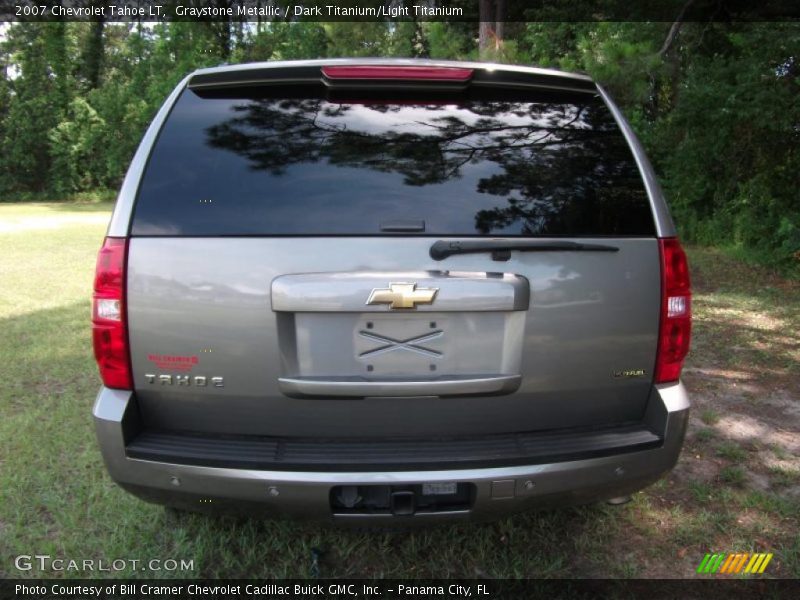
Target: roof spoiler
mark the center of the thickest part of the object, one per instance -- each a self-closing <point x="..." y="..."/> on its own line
<point x="354" y="75"/>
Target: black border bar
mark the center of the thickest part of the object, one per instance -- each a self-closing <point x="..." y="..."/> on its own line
<point x="466" y="11"/>
<point x="390" y="589"/>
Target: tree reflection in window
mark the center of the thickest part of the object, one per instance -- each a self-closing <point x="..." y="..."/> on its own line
<point x="311" y="166"/>
<point x="559" y="168"/>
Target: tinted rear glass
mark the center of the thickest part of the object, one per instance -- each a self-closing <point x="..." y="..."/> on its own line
<point x="251" y="163"/>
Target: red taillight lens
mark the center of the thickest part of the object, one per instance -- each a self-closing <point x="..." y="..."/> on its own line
<point x="397" y="72"/>
<point x="109" y="331"/>
<point x="676" y="312"/>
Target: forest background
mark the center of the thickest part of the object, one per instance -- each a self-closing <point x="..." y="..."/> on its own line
<point x="716" y="103"/>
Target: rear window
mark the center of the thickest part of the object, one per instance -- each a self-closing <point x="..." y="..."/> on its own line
<point x="250" y="162"/>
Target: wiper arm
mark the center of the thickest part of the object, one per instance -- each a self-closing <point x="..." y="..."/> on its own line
<point x="501" y="249"/>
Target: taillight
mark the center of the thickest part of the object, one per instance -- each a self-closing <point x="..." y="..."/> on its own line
<point x="397" y="72"/>
<point x="676" y="311"/>
<point x="109" y="330"/>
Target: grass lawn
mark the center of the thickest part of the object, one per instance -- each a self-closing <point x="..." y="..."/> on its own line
<point x="736" y="488"/>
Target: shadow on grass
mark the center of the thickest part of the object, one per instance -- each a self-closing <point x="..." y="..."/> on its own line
<point x="713" y="269"/>
<point x="77" y="206"/>
<point x="561" y="543"/>
<point x="749" y="352"/>
<point x="46" y="353"/>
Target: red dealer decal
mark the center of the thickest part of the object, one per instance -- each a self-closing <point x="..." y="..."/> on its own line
<point x="172" y="362"/>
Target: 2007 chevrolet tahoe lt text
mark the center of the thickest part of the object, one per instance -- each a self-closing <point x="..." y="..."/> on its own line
<point x="391" y="290"/>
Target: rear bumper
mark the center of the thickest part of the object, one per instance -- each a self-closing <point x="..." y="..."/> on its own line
<point x="498" y="490"/>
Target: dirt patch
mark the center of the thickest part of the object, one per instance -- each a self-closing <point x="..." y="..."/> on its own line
<point x="695" y="468"/>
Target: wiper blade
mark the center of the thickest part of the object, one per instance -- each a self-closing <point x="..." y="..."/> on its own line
<point x="501" y="249"/>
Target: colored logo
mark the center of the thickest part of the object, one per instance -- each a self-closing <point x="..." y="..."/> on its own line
<point x="734" y="563"/>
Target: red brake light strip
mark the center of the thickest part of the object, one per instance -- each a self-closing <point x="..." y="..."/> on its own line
<point x="454" y="74"/>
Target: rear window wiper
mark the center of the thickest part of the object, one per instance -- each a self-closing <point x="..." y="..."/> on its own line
<point x="501" y="249"/>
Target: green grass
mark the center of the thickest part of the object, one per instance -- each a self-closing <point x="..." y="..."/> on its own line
<point x="779" y="452"/>
<point x="732" y="451"/>
<point x="56" y="498"/>
<point x="747" y="318"/>
<point x="732" y="475"/>
<point x="709" y="416"/>
<point x="788" y="266"/>
<point x="78" y="198"/>
<point x="783" y="477"/>
<point x="701" y="492"/>
<point x="705" y="435"/>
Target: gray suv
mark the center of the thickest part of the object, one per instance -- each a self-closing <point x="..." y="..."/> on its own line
<point x="391" y="290"/>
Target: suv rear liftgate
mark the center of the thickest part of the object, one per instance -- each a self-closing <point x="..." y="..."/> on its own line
<point x="389" y="288"/>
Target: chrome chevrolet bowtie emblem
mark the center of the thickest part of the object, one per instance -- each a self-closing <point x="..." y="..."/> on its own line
<point x="402" y="295"/>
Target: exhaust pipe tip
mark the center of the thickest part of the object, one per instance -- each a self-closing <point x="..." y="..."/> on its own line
<point x="619" y="500"/>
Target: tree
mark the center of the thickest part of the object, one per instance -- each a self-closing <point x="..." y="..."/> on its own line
<point x="491" y="29"/>
<point x="76" y="149"/>
<point x="91" y="63"/>
<point x="39" y="95"/>
<point x="357" y="39"/>
<point x="716" y="102"/>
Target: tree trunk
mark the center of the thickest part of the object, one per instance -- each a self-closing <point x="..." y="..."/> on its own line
<point x="500" y="26"/>
<point x="223" y="30"/>
<point x="93" y="57"/>
<point x="492" y="15"/>
<point x="486" y="33"/>
<point x="674" y="29"/>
